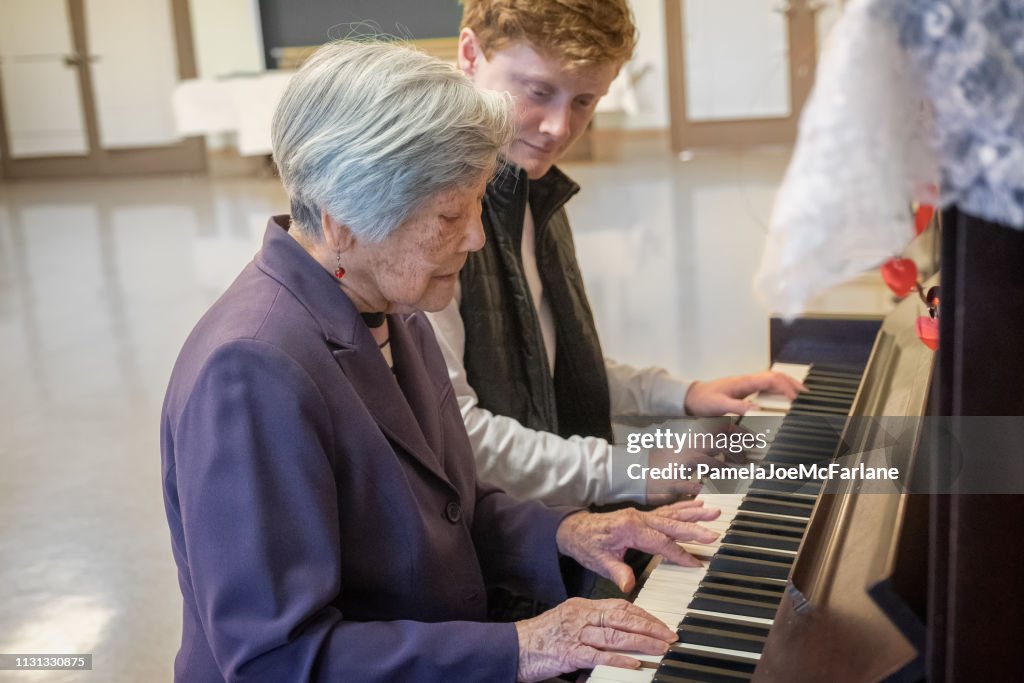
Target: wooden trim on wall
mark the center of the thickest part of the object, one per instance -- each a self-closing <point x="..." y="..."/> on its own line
<point x="688" y="134"/>
<point x="445" y="49"/>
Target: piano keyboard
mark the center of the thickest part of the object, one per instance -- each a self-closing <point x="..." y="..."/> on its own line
<point x="723" y="611"/>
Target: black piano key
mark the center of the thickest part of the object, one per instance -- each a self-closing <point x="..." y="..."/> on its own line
<point x="780" y="497"/>
<point x="780" y="557"/>
<point x="760" y="555"/>
<point x="704" y="630"/>
<point x="769" y="586"/>
<point x="846" y="393"/>
<point x="787" y="459"/>
<point x="824" y="434"/>
<point x="758" y="583"/>
<point x="791" y="535"/>
<point x="731" y="605"/>
<point x="835" y="370"/>
<point x="833" y="379"/>
<point x="815" y="450"/>
<point x="674" y="675"/>
<point x="818" y="410"/>
<point x="727" y="624"/>
<point x="723" y="639"/>
<point x="812" y="398"/>
<point x="814" y="439"/>
<point x="751" y="504"/>
<point x="760" y="540"/>
<point x="688" y="678"/>
<point x="820" y="439"/>
<point x="803" y="489"/>
<point x="765" y="596"/>
<point x="745" y="566"/>
<point x="776" y="524"/>
<point x="682" y="660"/>
<point x="824" y="424"/>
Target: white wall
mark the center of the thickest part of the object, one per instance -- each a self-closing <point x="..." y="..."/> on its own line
<point x="227" y="38"/>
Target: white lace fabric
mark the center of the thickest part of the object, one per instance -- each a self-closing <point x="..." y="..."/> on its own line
<point x="908" y="93"/>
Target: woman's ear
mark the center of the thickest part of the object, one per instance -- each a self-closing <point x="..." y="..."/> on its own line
<point x="338" y="236"/>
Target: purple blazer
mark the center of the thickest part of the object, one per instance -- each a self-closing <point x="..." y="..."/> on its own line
<point x="326" y="524"/>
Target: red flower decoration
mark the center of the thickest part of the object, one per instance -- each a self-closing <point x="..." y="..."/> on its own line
<point x="928" y="331"/>
<point x="923" y="218"/>
<point x="900" y="274"/>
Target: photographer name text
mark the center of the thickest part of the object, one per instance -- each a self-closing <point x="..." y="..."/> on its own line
<point x="770" y="471"/>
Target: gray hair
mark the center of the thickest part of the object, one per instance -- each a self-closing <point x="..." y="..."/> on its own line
<point x="367" y="131"/>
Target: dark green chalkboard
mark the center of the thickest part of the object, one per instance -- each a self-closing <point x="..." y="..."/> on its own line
<point x="292" y="23"/>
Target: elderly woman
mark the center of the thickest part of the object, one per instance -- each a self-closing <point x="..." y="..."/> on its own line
<point x="319" y="484"/>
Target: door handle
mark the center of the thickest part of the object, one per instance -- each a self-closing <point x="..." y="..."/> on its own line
<point x="78" y="59"/>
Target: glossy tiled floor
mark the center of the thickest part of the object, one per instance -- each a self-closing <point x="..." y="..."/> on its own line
<point x="101" y="280"/>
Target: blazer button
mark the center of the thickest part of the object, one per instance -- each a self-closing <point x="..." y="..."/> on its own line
<point x="453" y="512"/>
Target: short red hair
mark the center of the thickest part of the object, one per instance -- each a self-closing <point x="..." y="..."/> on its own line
<point x="583" y="33"/>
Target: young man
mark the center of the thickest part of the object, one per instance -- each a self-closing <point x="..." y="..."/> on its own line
<point x="535" y="390"/>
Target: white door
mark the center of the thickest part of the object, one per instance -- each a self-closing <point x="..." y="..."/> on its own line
<point x="740" y="70"/>
<point x="86" y="87"/>
<point x="40" y="81"/>
<point x="134" y="72"/>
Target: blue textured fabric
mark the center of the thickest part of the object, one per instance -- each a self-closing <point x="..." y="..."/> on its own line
<point x="971" y="57"/>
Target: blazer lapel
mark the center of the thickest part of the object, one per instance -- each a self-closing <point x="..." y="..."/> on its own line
<point x="375" y="384"/>
<point x="421" y="392"/>
<point x="354" y="348"/>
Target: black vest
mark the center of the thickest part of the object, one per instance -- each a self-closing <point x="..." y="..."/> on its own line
<point x="505" y="360"/>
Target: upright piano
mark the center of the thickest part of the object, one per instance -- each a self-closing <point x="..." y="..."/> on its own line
<point x="817" y="580"/>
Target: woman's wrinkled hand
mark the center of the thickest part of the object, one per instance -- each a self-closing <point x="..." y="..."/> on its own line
<point x="579" y="634"/>
<point x="599" y="541"/>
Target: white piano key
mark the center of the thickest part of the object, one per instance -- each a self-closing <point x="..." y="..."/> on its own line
<point x="667" y="586"/>
<point x="669" y="602"/>
<point x="613" y="674"/>
<point x="702" y="552"/>
<point x="666" y="574"/>
<point x="657" y="603"/>
<point x="666" y="599"/>
<point x="761" y="412"/>
<point x="663" y="582"/>
<point x="653" y="659"/>
<point x="669" y="568"/>
<point x="721" y="500"/>
<point x="778" y="402"/>
<point x="670" y="619"/>
<point x="797" y="371"/>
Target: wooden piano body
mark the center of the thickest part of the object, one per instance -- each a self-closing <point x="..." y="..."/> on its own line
<point x="925" y="584"/>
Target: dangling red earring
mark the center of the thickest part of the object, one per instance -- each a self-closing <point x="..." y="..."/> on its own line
<point x="339" y="272"/>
